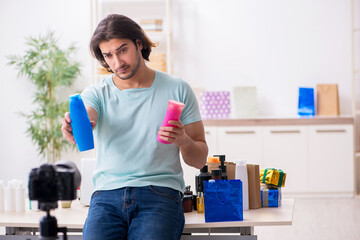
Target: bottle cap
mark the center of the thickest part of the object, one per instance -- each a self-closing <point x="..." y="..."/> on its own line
<point x="19" y="184"/>
<point x="176" y="103"/>
<point x="241" y="162"/>
<point x="204" y="169"/>
<point x="12" y="183"/>
<point x="222" y="160"/>
<point x="187" y="190"/>
<point x="216" y="172"/>
<point x="221" y="157"/>
<point x="213" y="159"/>
<point x="76" y="96"/>
<point x="223" y="168"/>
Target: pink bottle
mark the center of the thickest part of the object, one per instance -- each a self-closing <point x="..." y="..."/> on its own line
<point x="173" y="112"/>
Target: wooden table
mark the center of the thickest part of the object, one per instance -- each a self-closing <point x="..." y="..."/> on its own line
<point x="73" y="218"/>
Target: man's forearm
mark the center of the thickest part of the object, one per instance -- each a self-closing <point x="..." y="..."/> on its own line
<point x="194" y="153"/>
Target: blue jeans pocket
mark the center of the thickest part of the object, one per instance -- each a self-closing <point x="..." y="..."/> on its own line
<point x="166" y="192"/>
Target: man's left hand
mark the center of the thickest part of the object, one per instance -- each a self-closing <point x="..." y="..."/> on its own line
<point x="175" y="135"/>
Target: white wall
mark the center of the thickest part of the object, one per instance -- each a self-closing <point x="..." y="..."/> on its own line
<point x="276" y="45"/>
<point x="19" y="19"/>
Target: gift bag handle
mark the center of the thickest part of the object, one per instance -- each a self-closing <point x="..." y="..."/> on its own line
<point x="228" y="195"/>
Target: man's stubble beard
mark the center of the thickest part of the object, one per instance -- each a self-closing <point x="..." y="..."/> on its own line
<point x="134" y="71"/>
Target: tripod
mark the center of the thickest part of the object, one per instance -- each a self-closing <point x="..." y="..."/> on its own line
<point x="48" y="224"/>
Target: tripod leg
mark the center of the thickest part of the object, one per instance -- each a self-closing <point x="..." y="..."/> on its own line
<point x="64" y="231"/>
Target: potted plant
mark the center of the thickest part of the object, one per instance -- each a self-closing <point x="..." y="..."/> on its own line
<point x="48" y="67"/>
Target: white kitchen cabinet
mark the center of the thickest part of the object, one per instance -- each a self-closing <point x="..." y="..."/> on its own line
<point x="317" y="158"/>
<point x="285" y="148"/>
<point x="240" y="143"/>
<point x="211" y="139"/>
<point x="355" y="100"/>
<point x="331" y="158"/>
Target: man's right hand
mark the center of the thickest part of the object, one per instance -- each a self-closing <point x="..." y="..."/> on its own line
<point x="66" y="128"/>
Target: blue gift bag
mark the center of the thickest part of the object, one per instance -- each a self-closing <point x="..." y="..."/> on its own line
<point x="223" y="200"/>
<point x="306" y="105"/>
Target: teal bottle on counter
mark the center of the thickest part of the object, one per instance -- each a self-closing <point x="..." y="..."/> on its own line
<point x="80" y="123"/>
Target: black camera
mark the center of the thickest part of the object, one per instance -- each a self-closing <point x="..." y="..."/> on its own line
<point x="47" y="185"/>
<point x="50" y="183"/>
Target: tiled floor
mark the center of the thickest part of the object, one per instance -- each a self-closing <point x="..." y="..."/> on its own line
<point x="317" y="219"/>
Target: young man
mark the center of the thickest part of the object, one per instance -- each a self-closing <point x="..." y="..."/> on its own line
<point x="138" y="181"/>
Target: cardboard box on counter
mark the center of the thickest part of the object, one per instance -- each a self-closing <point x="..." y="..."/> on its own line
<point x="230" y="169"/>
<point x="327" y="97"/>
<point x="254" y="186"/>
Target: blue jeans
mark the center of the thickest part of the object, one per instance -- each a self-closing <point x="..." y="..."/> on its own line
<point x="149" y="212"/>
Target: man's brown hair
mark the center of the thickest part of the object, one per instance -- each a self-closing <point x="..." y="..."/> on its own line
<point x="118" y="26"/>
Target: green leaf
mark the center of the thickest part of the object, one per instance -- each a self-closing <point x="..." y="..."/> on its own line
<point x="47" y="66"/>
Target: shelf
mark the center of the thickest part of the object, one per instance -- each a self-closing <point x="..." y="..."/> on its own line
<point x="102" y="71"/>
<point x="137" y="10"/>
<point x="149" y="14"/>
<point x="131" y="1"/>
<point x="157" y="33"/>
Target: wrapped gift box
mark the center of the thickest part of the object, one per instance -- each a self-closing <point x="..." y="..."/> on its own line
<point x="270" y="197"/>
<point x="272" y="176"/>
<point x="244" y="102"/>
<point x="215" y="105"/>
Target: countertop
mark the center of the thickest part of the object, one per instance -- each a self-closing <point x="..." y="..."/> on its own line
<point x="75" y="216"/>
<point x="279" y="121"/>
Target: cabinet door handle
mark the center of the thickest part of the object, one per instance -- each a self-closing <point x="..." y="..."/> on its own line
<point x="285" y="131"/>
<point x="239" y="132"/>
<point x="331" y="131"/>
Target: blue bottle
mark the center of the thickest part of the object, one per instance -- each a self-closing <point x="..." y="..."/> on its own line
<point x="80" y="124"/>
